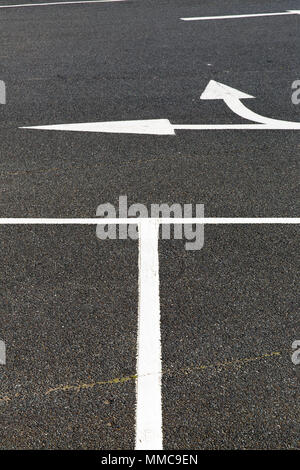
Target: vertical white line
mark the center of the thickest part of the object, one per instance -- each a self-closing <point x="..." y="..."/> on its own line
<point x="148" y="386"/>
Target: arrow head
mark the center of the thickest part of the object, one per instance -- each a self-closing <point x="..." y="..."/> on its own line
<point x="148" y="126"/>
<point x="296" y="12"/>
<point x="218" y="91"/>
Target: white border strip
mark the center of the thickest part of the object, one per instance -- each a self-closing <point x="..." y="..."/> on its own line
<point x="80" y="2"/>
<point x="106" y="221"/>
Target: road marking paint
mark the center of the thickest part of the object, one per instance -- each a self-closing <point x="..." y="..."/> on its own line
<point x="160" y="127"/>
<point x="86" y="386"/>
<point x="80" y="2"/>
<point x="213" y="91"/>
<point x="162" y="220"/>
<point x="232" y="98"/>
<point x="148" y="388"/>
<point x="148" y="126"/>
<point x="204" y="18"/>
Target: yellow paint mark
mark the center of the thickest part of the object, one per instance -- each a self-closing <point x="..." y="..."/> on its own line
<point x="120" y="380"/>
<point x="186" y="370"/>
<point x="66" y="388"/>
<point x="234" y="362"/>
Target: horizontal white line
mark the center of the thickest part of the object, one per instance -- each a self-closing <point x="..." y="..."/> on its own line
<point x="58" y="3"/>
<point x="205" y="220"/>
<point x="283" y="126"/>
<point x="203" y="18"/>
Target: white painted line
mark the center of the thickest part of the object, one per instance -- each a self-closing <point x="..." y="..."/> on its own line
<point x="171" y="221"/>
<point x="149" y="434"/>
<point x="217" y="127"/>
<point x="80" y="2"/>
<point x="213" y="91"/>
<point x="204" y="18"/>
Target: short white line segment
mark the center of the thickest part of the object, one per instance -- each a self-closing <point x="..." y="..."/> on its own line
<point x="80" y="2"/>
<point x="149" y="434"/>
<point x="205" y="18"/>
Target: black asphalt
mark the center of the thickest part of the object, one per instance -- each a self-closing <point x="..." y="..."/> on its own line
<point x="230" y="312"/>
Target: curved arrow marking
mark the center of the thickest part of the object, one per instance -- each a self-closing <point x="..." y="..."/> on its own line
<point x="232" y="97"/>
<point x="213" y="91"/>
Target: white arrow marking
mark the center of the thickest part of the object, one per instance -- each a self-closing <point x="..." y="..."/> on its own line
<point x="232" y="97"/>
<point x="150" y="126"/>
<point x="203" y="18"/>
<point x="213" y="91"/>
<point x="58" y="3"/>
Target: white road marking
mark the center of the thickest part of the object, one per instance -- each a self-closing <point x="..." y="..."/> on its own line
<point x="149" y="126"/>
<point x="80" y="2"/>
<point x="149" y="434"/>
<point x="231" y="96"/>
<point x="204" y="18"/>
<point x="213" y="91"/>
<point x="160" y="127"/>
<point x="162" y="220"/>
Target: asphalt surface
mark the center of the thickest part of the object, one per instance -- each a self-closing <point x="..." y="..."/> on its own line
<point x="69" y="302"/>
